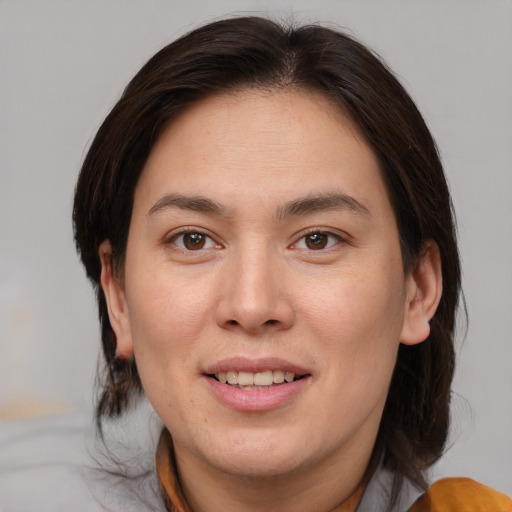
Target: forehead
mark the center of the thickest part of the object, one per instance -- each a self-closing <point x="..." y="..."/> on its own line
<point x="278" y="143"/>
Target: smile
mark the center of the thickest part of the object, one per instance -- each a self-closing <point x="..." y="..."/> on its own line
<point x="257" y="380"/>
<point x="256" y="385"/>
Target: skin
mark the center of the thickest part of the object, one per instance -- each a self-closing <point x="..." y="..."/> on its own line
<point x="260" y="288"/>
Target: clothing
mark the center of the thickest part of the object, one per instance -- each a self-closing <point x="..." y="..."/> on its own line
<point x="462" y="494"/>
<point x="44" y="466"/>
<point x="446" y="495"/>
<point x="42" y="461"/>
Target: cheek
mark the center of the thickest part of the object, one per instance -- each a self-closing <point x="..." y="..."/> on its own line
<point x="164" y="324"/>
<point x="167" y="318"/>
<point x="164" y="309"/>
<point x="355" y="302"/>
<point x="359" y="320"/>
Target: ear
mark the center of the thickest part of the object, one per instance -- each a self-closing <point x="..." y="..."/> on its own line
<point x="116" y="303"/>
<point x="424" y="287"/>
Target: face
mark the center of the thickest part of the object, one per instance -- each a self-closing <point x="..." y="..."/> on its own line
<point x="263" y="294"/>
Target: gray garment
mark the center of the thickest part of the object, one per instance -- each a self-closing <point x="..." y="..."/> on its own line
<point x="377" y="493"/>
<point x="45" y="466"/>
<point x="42" y="463"/>
<point x="52" y="464"/>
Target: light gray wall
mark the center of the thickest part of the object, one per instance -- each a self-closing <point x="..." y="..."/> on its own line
<point x="64" y="63"/>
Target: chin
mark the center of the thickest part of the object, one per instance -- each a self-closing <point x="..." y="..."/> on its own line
<point x="256" y="466"/>
<point x="257" y="458"/>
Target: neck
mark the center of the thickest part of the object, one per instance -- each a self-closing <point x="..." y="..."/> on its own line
<point x="331" y="485"/>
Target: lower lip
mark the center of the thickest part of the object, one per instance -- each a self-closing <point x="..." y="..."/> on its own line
<point x="257" y="400"/>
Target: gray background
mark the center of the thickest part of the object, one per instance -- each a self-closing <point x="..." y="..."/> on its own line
<point x="63" y="64"/>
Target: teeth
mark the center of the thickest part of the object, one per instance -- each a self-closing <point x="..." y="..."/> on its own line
<point x="264" y="378"/>
<point x="278" y="377"/>
<point x="253" y="380"/>
<point x="245" y="378"/>
<point x="232" y="377"/>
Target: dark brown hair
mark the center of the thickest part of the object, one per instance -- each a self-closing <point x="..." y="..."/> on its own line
<point x="253" y="52"/>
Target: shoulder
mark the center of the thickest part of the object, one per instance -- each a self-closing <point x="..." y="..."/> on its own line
<point x="461" y="495"/>
<point x="42" y="460"/>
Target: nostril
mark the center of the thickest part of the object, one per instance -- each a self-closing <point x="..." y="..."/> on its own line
<point x="271" y="322"/>
<point x="232" y="322"/>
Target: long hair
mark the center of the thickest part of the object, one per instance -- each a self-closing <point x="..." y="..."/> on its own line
<point x="252" y="52"/>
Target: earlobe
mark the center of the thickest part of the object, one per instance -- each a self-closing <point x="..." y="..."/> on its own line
<point x="424" y="287"/>
<point x="116" y="303"/>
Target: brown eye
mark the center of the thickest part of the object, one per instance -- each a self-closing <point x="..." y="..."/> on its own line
<point x="193" y="241"/>
<point x="316" y="241"/>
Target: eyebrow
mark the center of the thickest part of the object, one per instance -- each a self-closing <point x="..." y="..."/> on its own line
<point x="192" y="203"/>
<point x="321" y="203"/>
<point x="297" y="207"/>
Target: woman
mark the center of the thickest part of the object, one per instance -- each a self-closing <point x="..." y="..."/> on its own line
<point x="266" y="221"/>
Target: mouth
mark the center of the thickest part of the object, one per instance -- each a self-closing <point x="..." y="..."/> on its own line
<point x="257" y="385"/>
<point x="266" y="379"/>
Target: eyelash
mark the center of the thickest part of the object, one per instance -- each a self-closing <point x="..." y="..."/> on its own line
<point x="335" y="240"/>
<point x="210" y="242"/>
<point x="207" y="239"/>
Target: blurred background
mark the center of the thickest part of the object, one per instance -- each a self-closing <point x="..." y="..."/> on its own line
<point x="63" y="64"/>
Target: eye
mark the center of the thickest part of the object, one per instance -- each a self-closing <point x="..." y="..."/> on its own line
<point x="317" y="241"/>
<point x="193" y="241"/>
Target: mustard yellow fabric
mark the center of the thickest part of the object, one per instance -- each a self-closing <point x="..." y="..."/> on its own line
<point x="351" y="503"/>
<point x="166" y="470"/>
<point x="461" y="495"/>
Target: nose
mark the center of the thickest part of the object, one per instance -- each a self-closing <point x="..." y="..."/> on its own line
<point x="254" y="297"/>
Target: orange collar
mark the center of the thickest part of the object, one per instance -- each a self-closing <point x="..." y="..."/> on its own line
<point x="167" y="477"/>
<point x="173" y="494"/>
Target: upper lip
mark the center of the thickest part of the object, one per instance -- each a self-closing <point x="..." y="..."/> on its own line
<point x="243" y="364"/>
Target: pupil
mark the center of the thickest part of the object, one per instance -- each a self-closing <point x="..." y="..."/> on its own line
<point x="316" y="241"/>
<point x="194" y="240"/>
